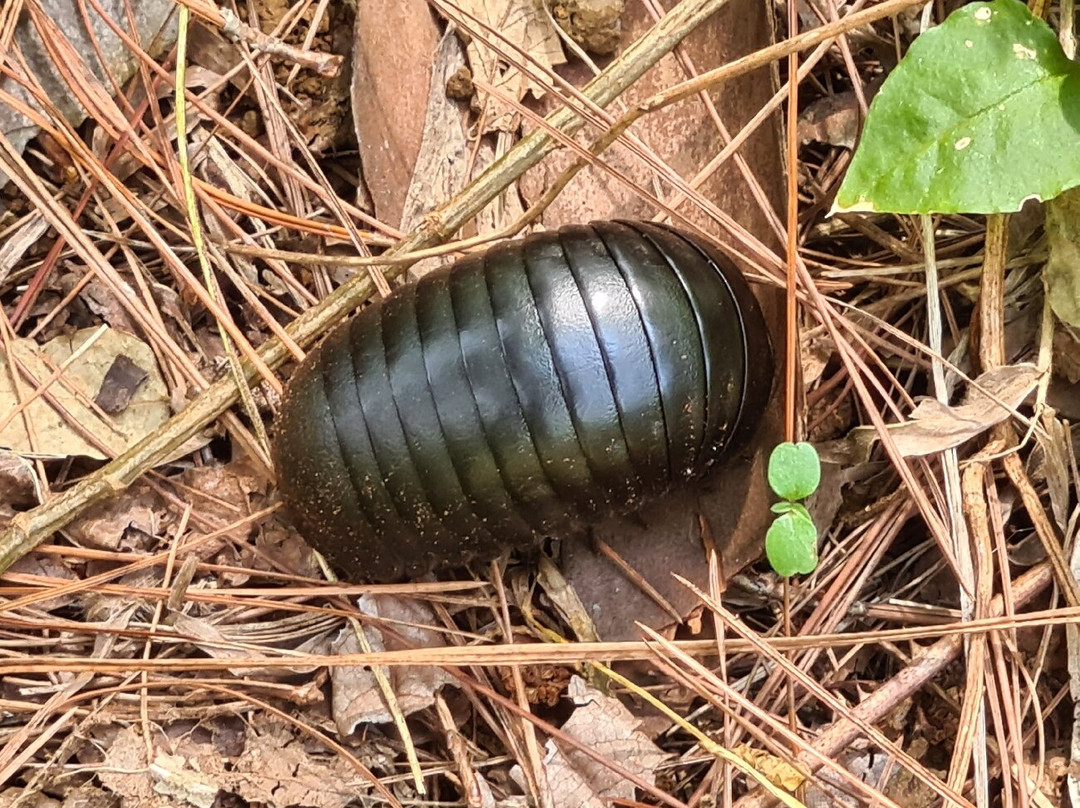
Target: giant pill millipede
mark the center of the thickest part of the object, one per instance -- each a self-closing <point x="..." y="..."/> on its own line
<point x="522" y="391"/>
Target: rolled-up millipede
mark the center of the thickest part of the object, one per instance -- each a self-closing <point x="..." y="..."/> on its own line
<point x="523" y="391"/>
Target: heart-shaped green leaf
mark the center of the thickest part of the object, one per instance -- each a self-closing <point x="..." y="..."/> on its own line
<point x="791" y="545"/>
<point x="794" y="470"/>
<point x="982" y="113"/>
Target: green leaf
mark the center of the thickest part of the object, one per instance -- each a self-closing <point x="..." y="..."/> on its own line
<point x="1062" y="272"/>
<point x="794" y="470"/>
<point x="796" y="508"/>
<point x="981" y="114"/>
<point x="791" y="545"/>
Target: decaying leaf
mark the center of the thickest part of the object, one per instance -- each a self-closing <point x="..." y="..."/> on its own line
<point x="447" y="162"/>
<point x="935" y="427"/>
<point x="603" y="724"/>
<point x="526" y="24"/>
<point x="172" y="776"/>
<point x="593" y="24"/>
<point x="357" y="698"/>
<point x="1062" y="272"/>
<point x="275" y="768"/>
<point x="394" y="45"/>
<point x="128" y="523"/>
<point x="19" y="484"/>
<point x="442" y="161"/>
<point x="85" y="429"/>
<point x="775" y="769"/>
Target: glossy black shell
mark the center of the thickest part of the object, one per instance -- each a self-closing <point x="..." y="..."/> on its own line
<point x="520" y="392"/>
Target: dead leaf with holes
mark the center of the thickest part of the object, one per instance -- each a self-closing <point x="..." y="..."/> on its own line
<point x="65" y="421"/>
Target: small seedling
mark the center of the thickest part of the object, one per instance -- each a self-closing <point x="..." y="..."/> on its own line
<point x="791" y="542"/>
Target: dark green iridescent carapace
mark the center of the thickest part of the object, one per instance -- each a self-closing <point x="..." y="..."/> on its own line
<point x="520" y="392"/>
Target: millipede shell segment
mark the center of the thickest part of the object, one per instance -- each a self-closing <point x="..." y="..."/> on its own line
<point x="520" y="392"/>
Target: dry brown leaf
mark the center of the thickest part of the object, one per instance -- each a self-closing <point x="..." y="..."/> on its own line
<point x="442" y="162"/>
<point x="226" y="491"/>
<point x="835" y="119"/>
<point x="54" y="433"/>
<point x="394" y="46"/>
<point x="357" y="698"/>
<point x="604" y="725"/>
<point x="444" y="167"/>
<point x="304" y="635"/>
<point x="935" y="427"/>
<point x="127" y="523"/>
<point x="19" y="484"/>
<point x="682" y="134"/>
<point x="274" y="769"/>
<point x="1049" y="461"/>
<point x="1061" y="274"/>
<point x="526" y="24"/>
<point x="101" y="300"/>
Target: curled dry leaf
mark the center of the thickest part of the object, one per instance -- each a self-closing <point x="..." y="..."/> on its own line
<point x="442" y="159"/>
<point x="446" y="162"/>
<point x="935" y="427"/>
<point x="64" y="421"/>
